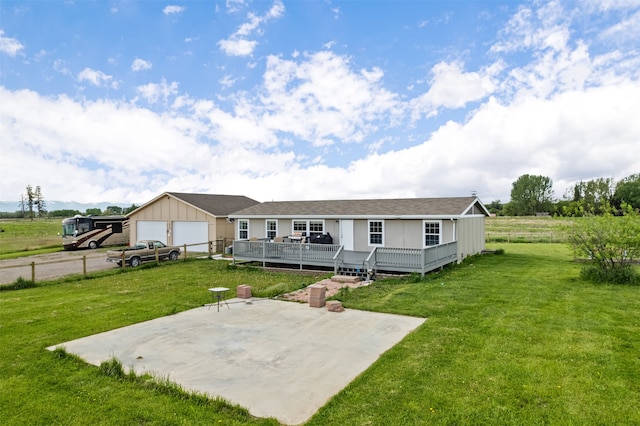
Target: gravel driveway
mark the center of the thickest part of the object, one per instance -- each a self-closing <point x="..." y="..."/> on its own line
<point x="53" y="265"/>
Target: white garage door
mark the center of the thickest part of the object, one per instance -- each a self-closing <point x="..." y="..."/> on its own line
<point x="152" y="230"/>
<point x="191" y="233"/>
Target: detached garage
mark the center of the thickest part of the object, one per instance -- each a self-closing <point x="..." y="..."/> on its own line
<point x="182" y="218"/>
<point x="151" y="230"/>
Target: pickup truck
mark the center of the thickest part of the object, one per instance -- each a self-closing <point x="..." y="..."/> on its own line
<point x="143" y="251"/>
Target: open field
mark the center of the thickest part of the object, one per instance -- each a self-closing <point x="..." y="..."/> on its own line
<point x="22" y="235"/>
<point x="527" y="229"/>
<point x="517" y="338"/>
<point x="25" y="235"/>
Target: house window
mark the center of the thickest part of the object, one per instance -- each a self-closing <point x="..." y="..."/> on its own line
<point x="376" y="232"/>
<point x="308" y="227"/>
<point x="243" y="229"/>
<point x="431" y="233"/>
<point x="272" y="229"/>
<point x="300" y="226"/>
<point x="316" y="227"/>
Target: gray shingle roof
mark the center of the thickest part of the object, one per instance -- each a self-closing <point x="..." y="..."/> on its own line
<point x="217" y="205"/>
<point x="365" y="208"/>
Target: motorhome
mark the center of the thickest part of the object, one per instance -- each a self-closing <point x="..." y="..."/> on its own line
<point x="94" y="231"/>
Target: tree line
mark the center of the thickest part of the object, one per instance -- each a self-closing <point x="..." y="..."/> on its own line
<point x="530" y="195"/>
<point x="533" y="195"/>
<point x="32" y="205"/>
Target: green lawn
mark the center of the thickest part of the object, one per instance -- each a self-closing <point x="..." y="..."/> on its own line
<point x="510" y="339"/>
<point x="21" y="235"/>
<point x="527" y="229"/>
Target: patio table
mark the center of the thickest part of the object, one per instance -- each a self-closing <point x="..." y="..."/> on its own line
<point x="218" y="294"/>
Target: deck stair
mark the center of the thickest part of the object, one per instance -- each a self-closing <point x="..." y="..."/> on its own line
<point x="353" y="271"/>
<point x="345" y="279"/>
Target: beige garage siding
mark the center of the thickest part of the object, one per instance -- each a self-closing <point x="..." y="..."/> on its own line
<point x="171" y="210"/>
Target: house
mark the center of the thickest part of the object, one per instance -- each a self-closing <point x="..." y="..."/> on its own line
<point x="410" y="235"/>
<point x="183" y="218"/>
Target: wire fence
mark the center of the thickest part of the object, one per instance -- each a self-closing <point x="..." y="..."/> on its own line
<point x="525" y="237"/>
<point x="39" y="269"/>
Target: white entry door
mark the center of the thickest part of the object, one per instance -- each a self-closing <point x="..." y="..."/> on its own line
<point x="346" y="233"/>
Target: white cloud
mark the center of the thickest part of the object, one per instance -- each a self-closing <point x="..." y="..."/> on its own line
<point x="61" y="66"/>
<point x="606" y="5"/>
<point x="451" y="87"/>
<point x="572" y="135"/>
<point x="97" y="78"/>
<point x="529" y="28"/>
<point x="239" y="43"/>
<point x="237" y="47"/>
<point x="234" y="6"/>
<point x="140" y="65"/>
<point x="227" y="81"/>
<point x="10" y="45"/>
<point x="321" y="98"/>
<point x="628" y="28"/>
<point x="102" y="147"/>
<point x="173" y="10"/>
<point x="153" y="93"/>
<point x="569" y="112"/>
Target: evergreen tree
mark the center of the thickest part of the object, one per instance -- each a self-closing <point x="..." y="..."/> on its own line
<point x="39" y="202"/>
<point x="30" y="200"/>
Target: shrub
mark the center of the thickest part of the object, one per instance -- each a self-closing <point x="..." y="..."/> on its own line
<point x="626" y="275"/>
<point x="18" y="284"/>
<point x="610" y="244"/>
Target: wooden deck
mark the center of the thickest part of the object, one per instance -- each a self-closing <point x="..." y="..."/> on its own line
<point x="334" y="256"/>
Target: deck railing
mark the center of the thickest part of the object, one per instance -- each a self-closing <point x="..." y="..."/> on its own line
<point x="291" y="253"/>
<point x="412" y="260"/>
<point x="338" y="260"/>
<point x="334" y="255"/>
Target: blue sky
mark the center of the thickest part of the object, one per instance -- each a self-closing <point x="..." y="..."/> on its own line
<point x="122" y="100"/>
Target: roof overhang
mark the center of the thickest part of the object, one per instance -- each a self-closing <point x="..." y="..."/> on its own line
<point x="480" y="205"/>
<point x="169" y="195"/>
<point x="338" y="217"/>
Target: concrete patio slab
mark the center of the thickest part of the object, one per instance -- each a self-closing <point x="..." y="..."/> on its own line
<point x="278" y="359"/>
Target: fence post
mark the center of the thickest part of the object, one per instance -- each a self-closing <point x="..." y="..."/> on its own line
<point x="122" y="262"/>
<point x="157" y="257"/>
<point x="33" y="272"/>
<point x="210" y="250"/>
<point x="185" y="252"/>
<point x="84" y="265"/>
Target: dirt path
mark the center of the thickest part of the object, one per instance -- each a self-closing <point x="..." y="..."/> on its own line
<point x="332" y="287"/>
<point x="52" y="265"/>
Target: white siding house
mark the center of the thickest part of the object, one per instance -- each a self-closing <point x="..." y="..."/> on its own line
<point x="369" y="227"/>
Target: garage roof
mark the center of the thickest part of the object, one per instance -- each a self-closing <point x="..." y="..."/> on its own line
<point x="214" y="204"/>
<point x="217" y="205"/>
